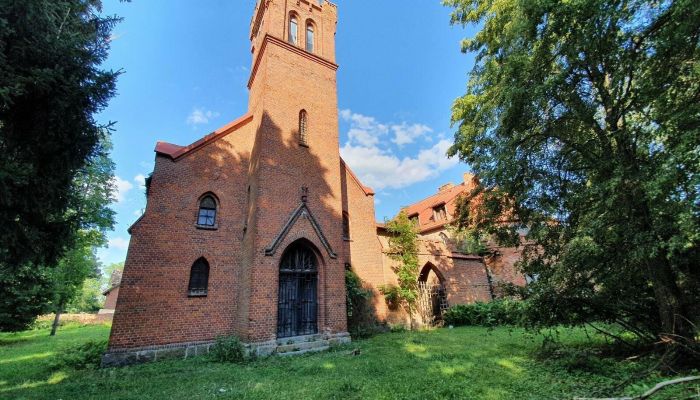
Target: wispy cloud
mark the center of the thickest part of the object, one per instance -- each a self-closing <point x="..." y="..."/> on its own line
<point x="140" y="179"/>
<point x="118" y="243"/>
<point x="122" y="187"/>
<point x="407" y="133"/>
<point x="378" y="166"/>
<point x="200" y="116"/>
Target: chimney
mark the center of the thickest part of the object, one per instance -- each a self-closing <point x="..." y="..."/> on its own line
<point x="445" y="187"/>
<point x="470" y="181"/>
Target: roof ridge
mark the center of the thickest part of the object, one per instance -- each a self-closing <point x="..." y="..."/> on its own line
<point x="175" y="151"/>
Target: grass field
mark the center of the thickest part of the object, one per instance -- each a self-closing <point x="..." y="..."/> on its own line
<point x="460" y="363"/>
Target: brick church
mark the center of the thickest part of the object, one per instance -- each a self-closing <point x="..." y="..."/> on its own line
<point x="249" y="230"/>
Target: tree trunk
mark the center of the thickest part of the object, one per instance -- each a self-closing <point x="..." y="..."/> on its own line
<point x="56" y="320"/>
<point x="675" y="320"/>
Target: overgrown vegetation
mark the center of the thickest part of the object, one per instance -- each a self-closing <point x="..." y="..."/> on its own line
<point x="228" y="349"/>
<point x="87" y="355"/>
<point x="362" y="321"/>
<point x="403" y="249"/>
<point x="495" y="313"/>
<point x="582" y="120"/>
<point x="464" y="362"/>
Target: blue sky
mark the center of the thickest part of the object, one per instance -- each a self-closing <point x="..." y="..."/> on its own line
<point x="186" y="65"/>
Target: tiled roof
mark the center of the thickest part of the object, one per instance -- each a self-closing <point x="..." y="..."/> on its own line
<point x="447" y="195"/>
<point x="174" y="151"/>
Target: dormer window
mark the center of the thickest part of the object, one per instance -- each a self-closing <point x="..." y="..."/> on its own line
<point x="413" y="218"/>
<point x="309" y="37"/>
<point x="293" y="30"/>
<point x="439" y="213"/>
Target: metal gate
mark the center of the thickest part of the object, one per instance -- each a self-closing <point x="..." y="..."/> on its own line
<point x="297" y="304"/>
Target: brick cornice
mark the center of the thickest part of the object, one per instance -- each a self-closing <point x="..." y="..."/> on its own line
<point x="288" y="46"/>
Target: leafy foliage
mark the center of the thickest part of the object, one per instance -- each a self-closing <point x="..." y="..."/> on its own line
<point x="86" y="355"/>
<point x="403" y="248"/>
<point x="582" y="119"/>
<point x="51" y="87"/>
<point x="495" y="313"/>
<point x="228" y="350"/>
<point x="24" y="294"/>
<point x="362" y="321"/>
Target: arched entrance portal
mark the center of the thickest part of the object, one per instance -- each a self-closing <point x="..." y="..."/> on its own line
<point x="297" y="302"/>
<point x="433" y="296"/>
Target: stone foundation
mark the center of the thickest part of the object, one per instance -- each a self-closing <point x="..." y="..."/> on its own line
<point x="286" y="346"/>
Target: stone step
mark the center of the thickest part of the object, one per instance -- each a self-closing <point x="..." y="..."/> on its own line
<point x="298" y="339"/>
<point x="301" y="346"/>
<point x="300" y="352"/>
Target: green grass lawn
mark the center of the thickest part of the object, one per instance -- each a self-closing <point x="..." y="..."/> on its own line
<point x="460" y="363"/>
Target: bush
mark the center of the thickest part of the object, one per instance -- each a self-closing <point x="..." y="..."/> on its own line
<point x="228" y="349"/>
<point x="87" y="355"/>
<point x="495" y="313"/>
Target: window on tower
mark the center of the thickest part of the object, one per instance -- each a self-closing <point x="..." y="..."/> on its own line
<point x="309" y="37"/>
<point x="293" y="29"/>
<point x="303" y="128"/>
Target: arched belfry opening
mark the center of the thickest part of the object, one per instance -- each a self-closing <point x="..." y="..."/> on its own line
<point x="297" y="304"/>
<point x="433" y="294"/>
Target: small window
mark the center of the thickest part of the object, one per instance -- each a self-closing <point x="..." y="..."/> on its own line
<point x="303" y="127"/>
<point x="413" y="218"/>
<point x="310" y="37"/>
<point x="346" y="226"/>
<point x="293" y="30"/>
<point x="439" y="213"/>
<point x="199" y="278"/>
<point x="207" y="212"/>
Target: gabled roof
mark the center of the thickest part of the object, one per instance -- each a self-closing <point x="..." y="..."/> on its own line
<point x="368" y="190"/>
<point x="174" y="151"/>
<point x="447" y="195"/>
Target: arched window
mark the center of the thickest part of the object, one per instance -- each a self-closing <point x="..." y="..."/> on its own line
<point x="293" y="29"/>
<point x="207" y="212"/>
<point x="346" y="226"/>
<point x="309" y="37"/>
<point x="199" y="278"/>
<point x="303" y="128"/>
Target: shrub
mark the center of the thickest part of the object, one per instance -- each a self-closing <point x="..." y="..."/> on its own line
<point x="228" y="349"/>
<point x="497" y="312"/>
<point x="87" y="355"/>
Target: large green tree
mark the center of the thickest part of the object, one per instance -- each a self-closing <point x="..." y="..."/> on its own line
<point x="51" y="86"/>
<point x="582" y="119"/>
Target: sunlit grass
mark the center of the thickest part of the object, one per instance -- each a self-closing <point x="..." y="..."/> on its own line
<point x="460" y="363"/>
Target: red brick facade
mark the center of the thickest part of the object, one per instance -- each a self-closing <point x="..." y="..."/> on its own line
<point x="271" y="191"/>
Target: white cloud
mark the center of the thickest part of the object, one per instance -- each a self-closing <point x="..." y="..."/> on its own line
<point x="378" y="166"/>
<point x="405" y="133"/>
<point x="201" y="116"/>
<point x="381" y="169"/>
<point x="140" y="179"/>
<point x="138" y="213"/>
<point x="118" y="243"/>
<point x="122" y="187"/>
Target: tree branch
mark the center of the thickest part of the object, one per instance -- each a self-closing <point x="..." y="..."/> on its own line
<point x="650" y="392"/>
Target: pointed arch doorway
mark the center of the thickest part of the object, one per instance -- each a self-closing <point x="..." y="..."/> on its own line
<point x="433" y="294"/>
<point x="297" y="304"/>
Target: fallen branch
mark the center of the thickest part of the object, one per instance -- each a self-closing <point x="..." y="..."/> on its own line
<point x="649" y="393"/>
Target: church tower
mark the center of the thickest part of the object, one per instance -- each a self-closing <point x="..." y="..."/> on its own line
<point x="293" y="246"/>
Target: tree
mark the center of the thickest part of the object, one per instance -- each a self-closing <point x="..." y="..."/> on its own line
<point x="582" y="118"/>
<point x="51" y="87"/>
<point x="90" y="199"/>
<point x="403" y="248"/>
